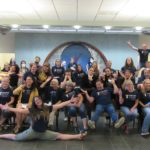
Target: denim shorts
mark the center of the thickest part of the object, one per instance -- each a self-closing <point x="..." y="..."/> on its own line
<point x="30" y="134"/>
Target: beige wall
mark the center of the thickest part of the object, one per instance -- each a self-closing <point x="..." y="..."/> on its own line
<point x="7" y="48"/>
<point x="144" y="39"/>
<point x="7" y="43"/>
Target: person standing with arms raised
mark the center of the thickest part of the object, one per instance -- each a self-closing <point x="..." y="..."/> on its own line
<point x="143" y="52"/>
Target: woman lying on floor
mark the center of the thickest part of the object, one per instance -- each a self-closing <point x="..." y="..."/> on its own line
<point x="39" y="115"/>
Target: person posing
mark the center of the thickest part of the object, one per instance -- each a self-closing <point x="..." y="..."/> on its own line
<point x="14" y="76"/>
<point x="72" y="65"/>
<point x="144" y="101"/>
<point x="143" y="52"/>
<point x="38" y="130"/>
<point x="52" y="95"/>
<point x="103" y="99"/>
<point x="79" y="77"/>
<point x="23" y="67"/>
<point x="129" y="65"/>
<point x="44" y="73"/>
<point x="6" y="98"/>
<point x="70" y="91"/>
<point x="57" y="70"/>
<point x="67" y="77"/>
<point x="32" y="72"/>
<point x="25" y="93"/>
<point x="129" y="103"/>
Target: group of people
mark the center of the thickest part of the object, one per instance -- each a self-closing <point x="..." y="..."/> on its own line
<point x="39" y="91"/>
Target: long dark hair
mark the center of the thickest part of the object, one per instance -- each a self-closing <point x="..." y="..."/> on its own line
<point x="129" y="65"/>
<point x="37" y="113"/>
<point x="33" y="86"/>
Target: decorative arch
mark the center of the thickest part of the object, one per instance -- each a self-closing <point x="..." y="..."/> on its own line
<point x="61" y="47"/>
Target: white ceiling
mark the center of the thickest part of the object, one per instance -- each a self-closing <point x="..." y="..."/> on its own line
<point x="70" y="12"/>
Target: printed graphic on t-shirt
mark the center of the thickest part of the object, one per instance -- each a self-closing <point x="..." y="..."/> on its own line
<point x="4" y="94"/>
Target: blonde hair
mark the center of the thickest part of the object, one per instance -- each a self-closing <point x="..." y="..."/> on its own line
<point x="126" y="82"/>
<point x="54" y="80"/>
<point x="69" y="83"/>
<point x="144" y="89"/>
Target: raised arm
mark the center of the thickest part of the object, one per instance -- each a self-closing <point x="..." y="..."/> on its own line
<point x="73" y="101"/>
<point x="116" y="90"/>
<point x="132" y="46"/>
<point x="89" y="98"/>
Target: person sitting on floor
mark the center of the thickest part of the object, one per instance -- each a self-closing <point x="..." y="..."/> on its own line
<point x="40" y="114"/>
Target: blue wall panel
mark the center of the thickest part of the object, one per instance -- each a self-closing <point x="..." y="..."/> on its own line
<point x="114" y="47"/>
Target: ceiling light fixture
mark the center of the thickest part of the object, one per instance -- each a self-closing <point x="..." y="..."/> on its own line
<point x="15" y="26"/>
<point x="45" y="26"/>
<point x="138" y="28"/>
<point x="108" y="27"/>
<point x="77" y="27"/>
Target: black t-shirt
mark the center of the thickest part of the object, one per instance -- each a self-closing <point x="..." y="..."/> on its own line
<point x="5" y="95"/>
<point x="144" y="97"/>
<point x="79" y="78"/>
<point x="103" y="97"/>
<point x="129" y="98"/>
<point x="131" y="68"/>
<point x="89" y="84"/>
<point x="40" y="124"/>
<point x="14" y="80"/>
<point x="29" y="73"/>
<point x="72" y="66"/>
<point x="68" y="95"/>
<point x="58" y="71"/>
<point x="26" y="95"/>
<point x="52" y="95"/>
<point x="143" y="55"/>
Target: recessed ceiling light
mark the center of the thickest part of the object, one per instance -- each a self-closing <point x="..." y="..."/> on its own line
<point x="15" y="25"/>
<point x="108" y="27"/>
<point x="138" y="28"/>
<point x="77" y="27"/>
<point x="45" y="26"/>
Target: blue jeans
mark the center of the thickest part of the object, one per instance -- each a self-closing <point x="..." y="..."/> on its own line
<point x="130" y="116"/>
<point x="146" y="122"/>
<point x="108" y="108"/>
<point x="73" y="111"/>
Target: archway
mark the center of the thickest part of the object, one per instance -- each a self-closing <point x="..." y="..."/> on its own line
<point x="82" y="51"/>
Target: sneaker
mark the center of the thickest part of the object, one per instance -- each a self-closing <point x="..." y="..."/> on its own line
<point x="82" y="136"/>
<point x="66" y="119"/>
<point x="84" y="131"/>
<point x="16" y="130"/>
<point x="145" y="133"/>
<point x="91" y="124"/>
<point x="119" y="122"/>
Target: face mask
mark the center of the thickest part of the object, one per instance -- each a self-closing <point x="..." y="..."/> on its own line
<point x="23" y="65"/>
<point x="36" y="62"/>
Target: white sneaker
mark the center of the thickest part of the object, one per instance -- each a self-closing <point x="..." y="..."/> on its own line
<point x="119" y="122"/>
<point x="66" y="119"/>
<point x="145" y="133"/>
<point x="91" y="124"/>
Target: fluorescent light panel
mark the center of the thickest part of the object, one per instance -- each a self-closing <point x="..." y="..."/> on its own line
<point x="15" y="26"/>
<point x="45" y="26"/>
<point x="77" y="27"/>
